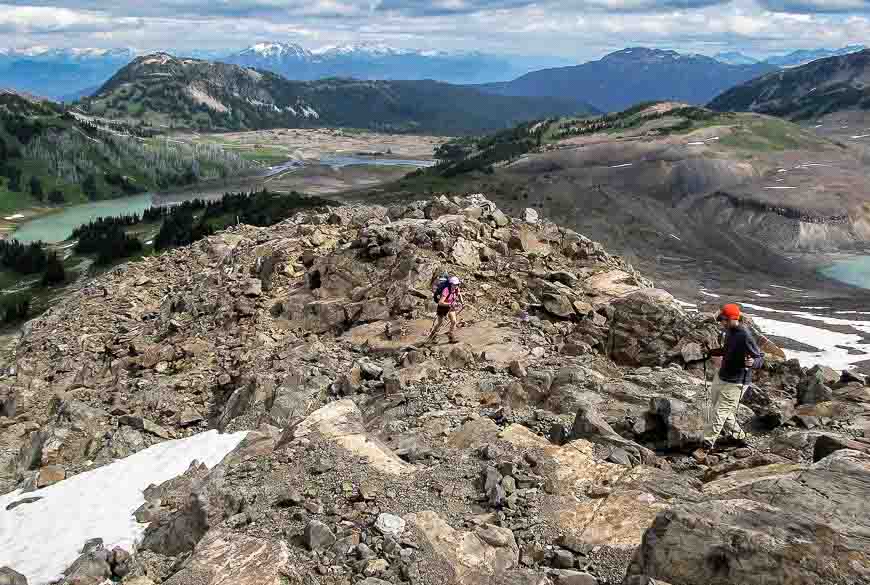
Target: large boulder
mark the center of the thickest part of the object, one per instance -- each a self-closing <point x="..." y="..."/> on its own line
<point x="466" y="254"/>
<point x="192" y="504"/>
<point x="484" y="555"/>
<point x="790" y="524"/>
<point x="590" y="425"/>
<point x="596" y="502"/>
<point x="225" y="557"/>
<point x="323" y="316"/>
<point x="341" y="422"/>
<point x="649" y="328"/>
<point x="679" y="425"/>
<point x="814" y="389"/>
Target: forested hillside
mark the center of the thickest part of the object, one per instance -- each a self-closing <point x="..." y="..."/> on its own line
<point x="812" y="90"/>
<point x="49" y="155"/>
<point x="166" y="92"/>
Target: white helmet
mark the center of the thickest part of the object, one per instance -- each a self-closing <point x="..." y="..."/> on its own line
<point x="454" y="280"/>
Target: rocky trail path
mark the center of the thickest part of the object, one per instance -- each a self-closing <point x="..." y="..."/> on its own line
<point x="258" y="409"/>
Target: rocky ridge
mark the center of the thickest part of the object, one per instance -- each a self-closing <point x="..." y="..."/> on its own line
<point x="551" y="444"/>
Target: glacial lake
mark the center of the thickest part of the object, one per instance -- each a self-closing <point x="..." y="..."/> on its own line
<point x="57" y="227"/>
<point x="854" y="271"/>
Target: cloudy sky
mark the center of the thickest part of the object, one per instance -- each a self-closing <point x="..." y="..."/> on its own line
<point x="575" y="29"/>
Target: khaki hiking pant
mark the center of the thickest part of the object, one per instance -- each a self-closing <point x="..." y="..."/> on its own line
<point x="722" y="412"/>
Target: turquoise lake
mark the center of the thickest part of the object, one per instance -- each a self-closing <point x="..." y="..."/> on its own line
<point x="854" y="271"/>
<point x="57" y="227"/>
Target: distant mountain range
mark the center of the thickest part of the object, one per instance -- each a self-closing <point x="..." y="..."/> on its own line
<point x="370" y="61"/>
<point x="634" y="75"/>
<point x="59" y="74"/>
<point x="164" y="91"/>
<point x="736" y="58"/>
<point x="68" y="74"/>
<point x="817" y="88"/>
<point x="792" y="59"/>
<point x="611" y="83"/>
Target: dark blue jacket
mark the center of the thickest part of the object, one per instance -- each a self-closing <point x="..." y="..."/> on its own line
<point x="739" y="344"/>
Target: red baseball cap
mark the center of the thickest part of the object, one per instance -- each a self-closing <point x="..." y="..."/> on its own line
<point x="730" y="312"/>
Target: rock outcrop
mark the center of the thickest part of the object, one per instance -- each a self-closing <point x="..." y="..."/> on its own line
<point x="548" y="445"/>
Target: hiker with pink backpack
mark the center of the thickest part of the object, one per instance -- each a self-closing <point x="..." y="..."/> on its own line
<point x="446" y="293"/>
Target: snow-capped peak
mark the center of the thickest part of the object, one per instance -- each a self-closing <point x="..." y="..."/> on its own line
<point x="370" y="49"/>
<point x="71" y="54"/>
<point x="276" y="50"/>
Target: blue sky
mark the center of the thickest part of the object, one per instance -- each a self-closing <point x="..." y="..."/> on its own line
<point x="576" y="29"/>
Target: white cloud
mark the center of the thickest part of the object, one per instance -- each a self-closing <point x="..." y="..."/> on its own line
<point x="580" y="29"/>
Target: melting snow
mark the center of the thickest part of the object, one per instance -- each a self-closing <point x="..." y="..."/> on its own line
<point x="861" y="136"/>
<point x="11" y="217"/>
<point x="833" y="347"/>
<point x="786" y="288"/>
<point x="780" y="187"/>
<point x="621" y="166"/>
<point x="42" y="539"/>
<point x="205" y="99"/>
<point x="708" y="294"/>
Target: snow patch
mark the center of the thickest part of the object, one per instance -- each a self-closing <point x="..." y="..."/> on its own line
<point x="833" y="347"/>
<point x="622" y="166"/>
<point x="203" y="98"/>
<point x="675" y="237"/>
<point x="42" y="539"/>
<point x="708" y="294"/>
<point x="159" y="59"/>
<point x="309" y="112"/>
<point x="13" y="217"/>
<point x="861" y="136"/>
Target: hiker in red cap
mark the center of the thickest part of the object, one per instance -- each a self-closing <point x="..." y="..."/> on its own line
<point x="740" y="354"/>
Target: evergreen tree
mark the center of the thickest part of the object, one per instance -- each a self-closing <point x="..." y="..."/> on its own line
<point x="14" y="307"/>
<point x="36" y="187"/>
<point x="14" y="174"/>
<point x="89" y="186"/>
<point x="56" y="197"/>
<point x="54" y="271"/>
